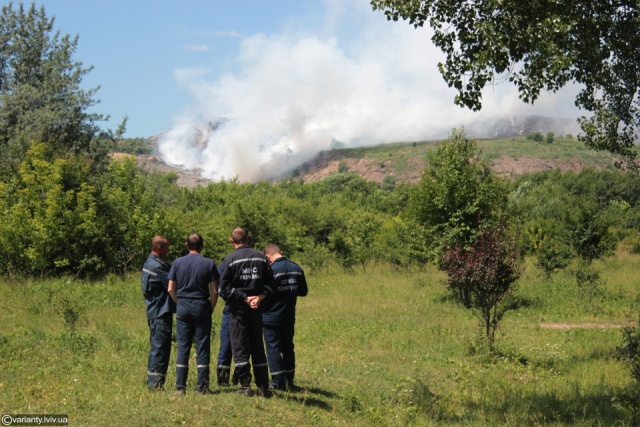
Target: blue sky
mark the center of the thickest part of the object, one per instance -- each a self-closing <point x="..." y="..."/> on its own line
<point x="287" y="77"/>
<point x="135" y="46"/>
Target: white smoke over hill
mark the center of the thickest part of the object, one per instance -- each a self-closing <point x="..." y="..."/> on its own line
<point x="358" y="79"/>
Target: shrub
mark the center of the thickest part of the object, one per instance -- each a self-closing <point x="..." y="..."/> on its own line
<point x="537" y="137"/>
<point x="388" y="183"/>
<point x="550" y="137"/>
<point x="343" y="166"/>
<point x="553" y="255"/>
<point x="457" y="194"/>
<point x="482" y="275"/>
<point x="629" y="353"/>
<point x="588" y="281"/>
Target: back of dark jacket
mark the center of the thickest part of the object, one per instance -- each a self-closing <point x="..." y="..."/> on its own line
<point x="245" y="272"/>
<point x="154" y="282"/>
<point x="289" y="283"/>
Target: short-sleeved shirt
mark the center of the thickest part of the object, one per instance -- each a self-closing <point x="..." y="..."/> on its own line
<point x="289" y="283"/>
<point x="154" y="283"/>
<point x="193" y="273"/>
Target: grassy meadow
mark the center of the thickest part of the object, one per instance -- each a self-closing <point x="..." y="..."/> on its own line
<point x="375" y="346"/>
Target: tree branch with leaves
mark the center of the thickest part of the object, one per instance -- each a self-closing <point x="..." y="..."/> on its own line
<point x="542" y="45"/>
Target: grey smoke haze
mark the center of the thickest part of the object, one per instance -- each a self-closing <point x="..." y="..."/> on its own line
<point x="357" y="79"/>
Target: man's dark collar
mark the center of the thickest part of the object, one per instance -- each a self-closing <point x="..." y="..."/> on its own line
<point x="157" y="258"/>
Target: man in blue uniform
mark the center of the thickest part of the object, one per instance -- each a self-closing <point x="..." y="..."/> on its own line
<point x="224" y="353"/>
<point x="279" y="317"/>
<point x="193" y="285"/>
<point x="160" y="309"/>
<point x="245" y="282"/>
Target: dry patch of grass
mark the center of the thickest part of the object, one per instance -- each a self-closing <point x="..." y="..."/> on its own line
<point x="569" y="326"/>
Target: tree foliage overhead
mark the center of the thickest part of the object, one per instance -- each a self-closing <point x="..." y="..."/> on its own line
<point x="542" y="45"/>
<point x="40" y="94"/>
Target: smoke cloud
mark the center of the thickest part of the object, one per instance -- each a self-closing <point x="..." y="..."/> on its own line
<point x="356" y="80"/>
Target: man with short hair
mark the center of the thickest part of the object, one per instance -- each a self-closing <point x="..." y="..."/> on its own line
<point x="279" y="317"/>
<point x="193" y="285"/>
<point x="160" y="309"/>
<point x="244" y="283"/>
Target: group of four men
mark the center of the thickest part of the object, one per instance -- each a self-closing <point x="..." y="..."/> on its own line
<point x="260" y="291"/>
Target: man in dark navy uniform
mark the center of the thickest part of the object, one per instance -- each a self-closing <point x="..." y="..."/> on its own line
<point x="224" y="352"/>
<point x="160" y="309"/>
<point x="244" y="283"/>
<point x="193" y="285"/>
<point x="279" y="317"/>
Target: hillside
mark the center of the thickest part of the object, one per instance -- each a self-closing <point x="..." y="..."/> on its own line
<point x="405" y="161"/>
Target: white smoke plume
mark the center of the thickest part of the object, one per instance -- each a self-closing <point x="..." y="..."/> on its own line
<point x="358" y="79"/>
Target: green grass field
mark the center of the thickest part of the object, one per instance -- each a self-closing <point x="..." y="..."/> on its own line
<point x="375" y="346"/>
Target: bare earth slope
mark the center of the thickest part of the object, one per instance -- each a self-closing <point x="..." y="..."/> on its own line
<point x="405" y="162"/>
<point x="509" y="157"/>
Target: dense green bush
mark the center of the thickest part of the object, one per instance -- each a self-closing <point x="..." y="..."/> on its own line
<point x="554" y="254"/>
<point x="537" y="137"/>
<point x="60" y="217"/>
<point x="458" y="193"/>
<point x="550" y="137"/>
<point x="589" y="212"/>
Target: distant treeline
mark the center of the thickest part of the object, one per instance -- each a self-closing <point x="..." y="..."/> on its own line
<point x="60" y="217"/>
<point x="135" y="146"/>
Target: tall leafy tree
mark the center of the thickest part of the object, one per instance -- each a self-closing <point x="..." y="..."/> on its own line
<point x="458" y="196"/>
<point x="41" y="98"/>
<point x="542" y="45"/>
<point x="458" y="192"/>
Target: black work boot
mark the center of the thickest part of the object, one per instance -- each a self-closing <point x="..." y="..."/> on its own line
<point x="264" y="391"/>
<point x="245" y="386"/>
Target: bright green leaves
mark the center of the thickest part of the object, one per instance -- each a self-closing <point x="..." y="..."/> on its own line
<point x="542" y="45"/>
<point x="43" y="219"/>
<point x="59" y="218"/>
<point x="458" y="193"/>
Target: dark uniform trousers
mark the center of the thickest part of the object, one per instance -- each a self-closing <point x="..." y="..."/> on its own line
<point x="280" y="353"/>
<point x="245" y="329"/>
<point x="160" y="330"/>
<point x="193" y="323"/>
<point x="224" y="353"/>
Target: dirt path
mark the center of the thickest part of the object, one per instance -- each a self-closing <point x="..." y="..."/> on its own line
<point x="568" y="326"/>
